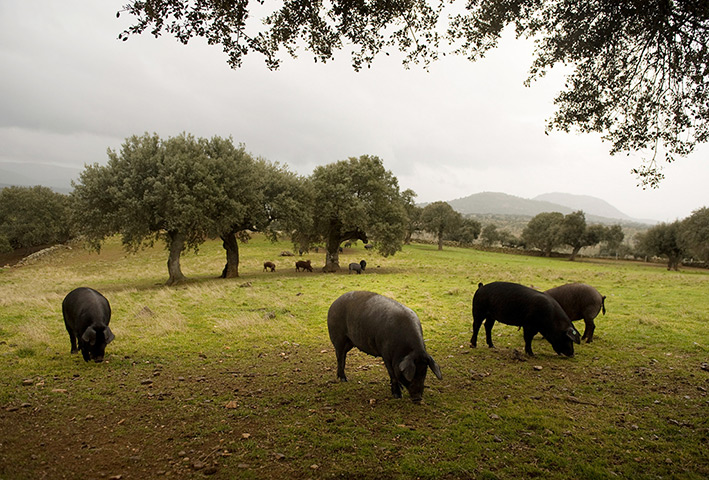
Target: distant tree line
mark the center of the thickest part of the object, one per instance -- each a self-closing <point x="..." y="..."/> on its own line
<point x="184" y="190"/>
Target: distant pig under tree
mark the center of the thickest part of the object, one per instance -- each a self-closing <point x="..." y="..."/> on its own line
<point x="358" y="267"/>
<point x="303" y="265"/>
<point x="534" y="311"/>
<point x="382" y="327"/>
<point x="86" y="317"/>
<point x="580" y="301"/>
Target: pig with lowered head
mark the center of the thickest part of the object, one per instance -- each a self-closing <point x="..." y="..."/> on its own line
<point x="580" y="301"/>
<point x="86" y="316"/>
<point x="382" y="327"/>
<point x="534" y="311"/>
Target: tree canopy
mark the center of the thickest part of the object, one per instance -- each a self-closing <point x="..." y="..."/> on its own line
<point x="695" y="234"/>
<point x="639" y="67"/>
<point x="664" y="240"/>
<point x="355" y="199"/>
<point x="542" y="232"/>
<point x="575" y="233"/>
<point x="33" y="216"/>
<point x="440" y="219"/>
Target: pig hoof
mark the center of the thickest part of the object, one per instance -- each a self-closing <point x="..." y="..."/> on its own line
<point x="342" y="379"/>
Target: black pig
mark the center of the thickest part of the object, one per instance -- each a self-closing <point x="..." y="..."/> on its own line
<point x="580" y="301"/>
<point x="358" y="267"/>
<point x="86" y="316"/>
<point x="534" y="311"/>
<point x="382" y="327"/>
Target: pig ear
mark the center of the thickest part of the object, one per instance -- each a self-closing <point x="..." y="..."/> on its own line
<point x="407" y="367"/>
<point x="574" y="335"/>
<point x="108" y="334"/>
<point x="89" y="336"/>
<point x="435" y="368"/>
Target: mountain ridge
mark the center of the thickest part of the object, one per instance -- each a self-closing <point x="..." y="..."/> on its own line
<point x="596" y="209"/>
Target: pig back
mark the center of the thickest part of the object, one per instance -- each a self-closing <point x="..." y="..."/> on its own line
<point x="85" y="306"/>
<point x="578" y="300"/>
<point x="375" y="324"/>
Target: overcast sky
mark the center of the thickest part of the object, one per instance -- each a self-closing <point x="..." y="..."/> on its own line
<point x="70" y="90"/>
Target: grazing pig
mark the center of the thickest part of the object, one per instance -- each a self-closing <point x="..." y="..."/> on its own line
<point x="86" y="316"/>
<point x="580" y="301"/>
<point x="382" y="327"/>
<point x="303" y="265"/>
<point x="358" y="267"/>
<point x="269" y="265"/>
<point x="534" y="311"/>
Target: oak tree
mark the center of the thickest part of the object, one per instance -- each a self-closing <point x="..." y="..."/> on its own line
<point x="542" y="232"/>
<point x="694" y="234"/>
<point x="181" y="190"/>
<point x="33" y="216"/>
<point x="355" y="199"/>
<point x="440" y="219"/>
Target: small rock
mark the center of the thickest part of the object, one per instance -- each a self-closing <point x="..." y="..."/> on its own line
<point x="27" y="382"/>
<point x="59" y="390"/>
<point x="231" y="404"/>
<point x="538" y="368"/>
<point x="197" y="465"/>
<point x="494" y="416"/>
<point x="245" y="435"/>
<point x="279" y="456"/>
<point x="147" y="381"/>
<point x="314" y="466"/>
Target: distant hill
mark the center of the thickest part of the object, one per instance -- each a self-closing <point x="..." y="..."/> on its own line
<point x="584" y="202"/>
<point x="496" y="203"/>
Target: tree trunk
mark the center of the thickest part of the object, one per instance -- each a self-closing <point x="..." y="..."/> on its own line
<point x="332" y="254"/>
<point x="177" y="245"/>
<point x="231" y="245"/>
<point x="574" y="252"/>
<point x="440" y="240"/>
<point x="673" y="263"/>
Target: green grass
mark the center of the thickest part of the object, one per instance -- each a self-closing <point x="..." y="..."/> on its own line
<point x="236" y="378"/>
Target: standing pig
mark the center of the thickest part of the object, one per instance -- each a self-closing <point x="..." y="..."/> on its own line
<point x="580" y="301"/>
<point x="534" y="311"/>
<point x="382" y="327"/>
<point x="86" y="316"/>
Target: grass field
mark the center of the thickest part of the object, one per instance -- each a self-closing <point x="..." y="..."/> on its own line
<point x="236" y="378"/>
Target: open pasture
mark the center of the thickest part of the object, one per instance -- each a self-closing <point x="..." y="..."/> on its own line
<point x="236" y="378"/>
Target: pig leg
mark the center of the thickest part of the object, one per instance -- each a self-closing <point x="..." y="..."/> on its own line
<point x="84" y="350"/>
<point x="588" y="331"/>
<point x="476" y="328"/>
<point x="395" y="385"/>
<point x="529" y="334"/>
<point x="488" y="331"/>
<point x="341" y="348"/>
<point x="72" y="340"/>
